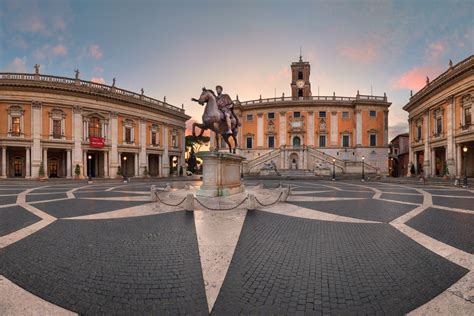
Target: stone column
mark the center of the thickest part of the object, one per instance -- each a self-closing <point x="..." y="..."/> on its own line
<point x="28" y="162"/>
<point x="433" y="162"/>
<point x="114" y="156"/>
<point x="84" y="163"/>
<point x="459" y="160"/>
<point x="450" y="126"/>
<point x="305" y="159"/>
<point x="310" y="128"/>
<point x="385" y="128"/>
<point x="334" y="129"/>
<point x="166" y="160"/>
<point x="183" y="150"/>
<point x="142" y="140"/>
<point x="427" y="153"/>
<point x="106" y="164"/>
<point x="77" y="135"/>
<point x="68" y="164"/>
<point x="45" y="161"/>
<point x="136" y="167"/>
<point x="160" y="165"/>
<point x="4" y="162"/>
<point x="260" y="132"/>
<point x="36" y="157"/>
<point x="358" y="128"/>
<point x="282" y="157"/>
<point x="282" y="128"/>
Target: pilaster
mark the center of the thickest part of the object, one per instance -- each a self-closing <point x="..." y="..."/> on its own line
<point x="36" y="155"/>
<point x="282" y="128"/>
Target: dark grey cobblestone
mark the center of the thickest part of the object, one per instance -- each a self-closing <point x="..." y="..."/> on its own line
<point x="79" y="207"/>
<point x="342" y="194"/>
<point x="14" y="218"/>
<point x="44" y="197"/>
<point x="404" y="198"/>
<point x="284" y="265"/>
<point x="374" y="210"/>
<point x="451" y="192"/>
<point x="142" y="265"/>
<point x="453" y="228"/>
<point x="457" y="202"/>
<point x="4" y="200"/>
<point x="101" y="194"/>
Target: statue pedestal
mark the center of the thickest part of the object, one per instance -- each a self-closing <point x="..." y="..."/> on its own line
<point x="220" y="174"/>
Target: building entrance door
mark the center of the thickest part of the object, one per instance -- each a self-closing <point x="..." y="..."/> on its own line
<point x="18" y="167"/>
<point x="53" y="168"/>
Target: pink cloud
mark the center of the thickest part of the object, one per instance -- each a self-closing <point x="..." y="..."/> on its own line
<point x="98" y="69"/>
<point x="436" y="50"/>
<point x="98" y="80"/>
<point x="95" y="51"/>
<point x="17" y="65"/>
<point x="50" y="51"/>
<point x="415" y="78"/>
<point x="283" y="73"/>
<point x="362" y="53"/>
<point x="34" y="24"/>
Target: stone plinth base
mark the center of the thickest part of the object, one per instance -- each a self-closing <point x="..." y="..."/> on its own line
<point x="221" y="174"/>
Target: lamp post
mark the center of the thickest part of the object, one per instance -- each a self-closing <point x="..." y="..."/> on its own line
<point x="363" y="173"/>
<point x="125" y="168"/>
<point x="391" y="170"/>
<point x="89" y="166"/>
<point x="333" y="169"/>
<point x="465" y="164"/>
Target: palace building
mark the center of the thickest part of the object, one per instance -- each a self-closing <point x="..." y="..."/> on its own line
<point x="441" y="124"/>
<point x="67" y="127"/>
<point x="307" y="134"/>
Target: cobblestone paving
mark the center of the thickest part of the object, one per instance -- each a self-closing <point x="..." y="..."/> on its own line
<point x="44" y="197"/>
<point x="125" y="266"/>
<point x="452" y="228"/>
<point x="403" y="197"/>
<point x="14" y="218"/>
<point x="4" y="200"/>
<point x="341" y="194"/>
<point x="457" y="202"/>
<point x="284" y="265"/>
<point x="79" y="207"/>
<point x="374" y="210"/>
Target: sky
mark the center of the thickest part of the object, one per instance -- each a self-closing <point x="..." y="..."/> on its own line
<point x="174" y="48"/>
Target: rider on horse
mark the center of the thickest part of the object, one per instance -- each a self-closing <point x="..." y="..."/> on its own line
<point x="226" y="106"/>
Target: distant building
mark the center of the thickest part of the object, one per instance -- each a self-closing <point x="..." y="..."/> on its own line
<point x="305" y="132"/>
<point x="399" y="161"/>
<point x="60" y="125"/>
<point x="441" y="124"/>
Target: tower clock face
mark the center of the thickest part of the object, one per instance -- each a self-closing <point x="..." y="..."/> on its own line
<point x="300" y="84"/>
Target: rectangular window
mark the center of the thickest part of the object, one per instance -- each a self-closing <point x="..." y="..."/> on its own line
<point x="439" y="125"/>
<point x="345" y="115"/>
<point x="128" y="135"/>
<point x="271" y="141"/>
<point x="249" y="117"/>
<point x="296" y="114"/>
<point x="322" y="114"/>
<point x="300" y="75"/>
<point x="16" y="129"/>
<point x="153" y="138"/>
<point x="57" y="129"/>
<point x="345" y="140"/>
<point x="271" y="115"/>
<point x="373" y="113"/>
<point x="373" y="140"/>
<point x="249" y="142"/>
<point x="418" y="132"/>
<point x="322" y="141"/>
<point x="467" y="116"/>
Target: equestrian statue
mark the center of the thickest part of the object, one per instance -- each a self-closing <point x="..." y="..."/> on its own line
<point x="218" y="116"/>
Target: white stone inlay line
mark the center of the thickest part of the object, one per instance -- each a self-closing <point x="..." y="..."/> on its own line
<point x="120" y="198"/>
<point x="217" y="233"/>
<point x="302" y="212"/>
<point x="293" y="198"/>
<point x="16" y="301"/>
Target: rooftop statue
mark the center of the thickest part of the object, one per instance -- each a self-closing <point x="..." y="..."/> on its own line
<point x="218" y="116"/>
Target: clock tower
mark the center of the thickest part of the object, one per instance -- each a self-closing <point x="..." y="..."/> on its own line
<point x="300" y="85"/>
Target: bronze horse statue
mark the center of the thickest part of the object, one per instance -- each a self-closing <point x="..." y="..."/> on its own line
<point x="214" y="120"/>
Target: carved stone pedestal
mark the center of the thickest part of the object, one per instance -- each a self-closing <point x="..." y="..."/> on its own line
<point x="221" y="174"/>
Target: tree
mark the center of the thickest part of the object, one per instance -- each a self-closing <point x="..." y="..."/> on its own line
<point x="194" y="144"/>
<point x="77" y="170"/>
<point x="41" y="170"/>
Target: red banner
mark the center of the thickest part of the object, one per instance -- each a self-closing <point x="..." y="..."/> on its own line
<point x="96" y="142"/>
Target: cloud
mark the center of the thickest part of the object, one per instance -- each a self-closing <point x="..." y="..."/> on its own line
<point x="283" y="73"/>
<point x="33" y="24"/>
<point x="436" y="50"/>
<point x="95" y="51"/>
<point x="396" y="129"/>
<point x="17" y="65"/>
<point x="98" y="69"/>
<point x="59" y="24"/>
<point x="50" y="51"/>
<point x="415" y="78"/>
<point x="364" y="52"/>
<point x="98" y="80"/>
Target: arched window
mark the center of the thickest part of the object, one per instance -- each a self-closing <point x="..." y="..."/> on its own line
<point x="300" y="75"/>
<point x="95" y="127"/>
<point x="300" y="92"/>
<point x="296" y="141"/>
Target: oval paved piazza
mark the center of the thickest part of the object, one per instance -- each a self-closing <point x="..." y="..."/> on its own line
<point x="339" y="247"/>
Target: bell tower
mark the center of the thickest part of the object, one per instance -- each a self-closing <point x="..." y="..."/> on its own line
<point x="300" y="85"/>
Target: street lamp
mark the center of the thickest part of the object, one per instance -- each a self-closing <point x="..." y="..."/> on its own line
<point x="124" y="173"/>
<point x="465" y="164"/>
<point x="89" y="166"/>
<point x="333" y="169"/>
<point x="363" y="173"/>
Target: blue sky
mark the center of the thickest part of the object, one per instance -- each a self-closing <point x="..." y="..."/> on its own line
<point x="173" y="48"/>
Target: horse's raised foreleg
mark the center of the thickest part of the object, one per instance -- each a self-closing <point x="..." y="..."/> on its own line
<point x="202" y="127"/>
